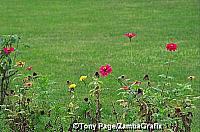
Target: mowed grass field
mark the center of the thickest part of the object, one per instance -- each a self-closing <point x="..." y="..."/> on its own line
<point x="69" y="38"/>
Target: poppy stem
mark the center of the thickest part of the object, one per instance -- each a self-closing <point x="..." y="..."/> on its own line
<point x="130" y="39"/>
<point x="131" y="54"/>
<point x="167" y="73"/>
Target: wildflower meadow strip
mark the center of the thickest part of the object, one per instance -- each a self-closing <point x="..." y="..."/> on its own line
<point x="25" y="95"/>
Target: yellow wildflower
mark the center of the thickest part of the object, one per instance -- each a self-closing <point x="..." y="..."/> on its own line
<point x="20" y="64"/>
<point x="72" y="86"/>
<point x="191" y="77"/>
<point x="82" y="78"/>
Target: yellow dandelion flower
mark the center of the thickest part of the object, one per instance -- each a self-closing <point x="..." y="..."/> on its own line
<point x="82" y="78"/>
<point x="20" y="64"/>
<point x="72" y="86"/>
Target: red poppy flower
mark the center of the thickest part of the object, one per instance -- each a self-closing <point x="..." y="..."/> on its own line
<point x="125" y="87"/>
<point x="29" y="68"/>
<point x="8" y="50"/>
<point x="130" y="35"/>
<point x="105" y="70"/>
<point x="171" y="47"/>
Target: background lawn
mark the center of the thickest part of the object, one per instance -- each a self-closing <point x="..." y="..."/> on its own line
<point x="69" y="38"/>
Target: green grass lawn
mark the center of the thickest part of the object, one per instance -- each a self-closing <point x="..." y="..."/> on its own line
<point x="69" y="38"/>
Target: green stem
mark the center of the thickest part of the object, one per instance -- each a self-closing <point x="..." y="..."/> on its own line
<point x="84" y="83"/>
<point x="98" y="112"/>
<point x="114" y="112"/>
<point x="3" y="87"/>
<point x="167" y="74"/>
<point x="131" y="54"/>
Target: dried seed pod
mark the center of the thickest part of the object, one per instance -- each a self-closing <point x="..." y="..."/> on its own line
<point x="96" y="74"/>
<point x="42" y="112"/>
<point x="146" y="77"/>
<point x="86" y="99"/>
<point x="143" y="109"/>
